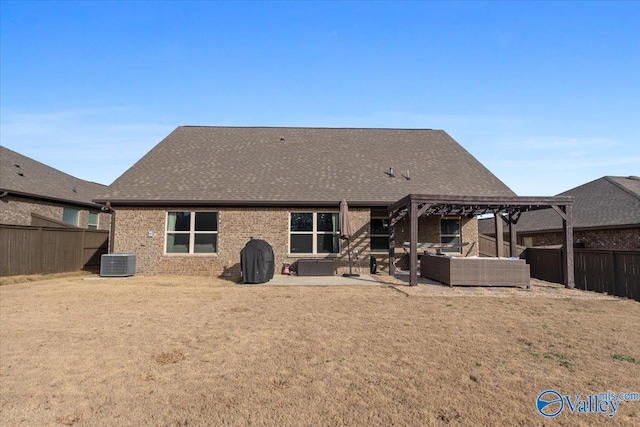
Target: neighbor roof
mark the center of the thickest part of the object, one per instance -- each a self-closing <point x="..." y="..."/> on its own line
<point x="23" y="176"/>
<point x="263" y="165"/>
<point x="610" y="201"/>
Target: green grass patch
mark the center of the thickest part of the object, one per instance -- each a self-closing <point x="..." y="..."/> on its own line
<point x="629" y="359"/>
<point x="563" y="359"/>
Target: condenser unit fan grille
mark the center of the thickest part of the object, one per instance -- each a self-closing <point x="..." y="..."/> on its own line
<point x="117" y="265"/>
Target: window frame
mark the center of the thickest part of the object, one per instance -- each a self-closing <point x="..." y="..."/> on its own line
<point x="314" y="233"/>
<point x="77" y="216"/>
<point x="192" y="233"/>
<point x="459" y="235"/>
<point x="90" y="225"/>
<point x="372" y="234"/>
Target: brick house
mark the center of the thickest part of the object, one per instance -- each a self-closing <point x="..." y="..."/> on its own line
<point x="32" y="192"/>
<point x="191" y="204"/>
<point x="606" y="215"/>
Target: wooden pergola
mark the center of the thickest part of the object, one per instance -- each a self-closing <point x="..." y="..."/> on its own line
<point x="503" y="208"/>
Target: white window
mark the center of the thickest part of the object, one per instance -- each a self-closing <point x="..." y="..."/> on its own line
<point x="192" y="232"/>
<point x="379" y="234"/>
<point x="93" y="220"/>
<point x="450" y="232"/>
<point x="314" y="233"/>
<point x="70" y="216"/>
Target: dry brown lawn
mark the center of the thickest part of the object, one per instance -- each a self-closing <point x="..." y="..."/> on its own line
<point x="170" y="351"/>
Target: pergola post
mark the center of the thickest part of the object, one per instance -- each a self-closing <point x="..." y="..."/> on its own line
<point x="513" y="240"/>
<point x="413" y="244"/>
<point x="567" y="226"/>
<point x="499" y="236"/>
<point x="392" y="245"/>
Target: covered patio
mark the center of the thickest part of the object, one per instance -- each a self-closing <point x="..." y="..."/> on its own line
<point x="503" y="208"/>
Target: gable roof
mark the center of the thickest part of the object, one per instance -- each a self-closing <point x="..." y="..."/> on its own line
<point x="610" y="201"/>
<point x="264" y="165"/>
<point x="21" y="175"/>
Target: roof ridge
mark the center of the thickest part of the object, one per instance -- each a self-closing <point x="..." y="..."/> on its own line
<point x="620" y="186"/>
<point x="308" y="127"/>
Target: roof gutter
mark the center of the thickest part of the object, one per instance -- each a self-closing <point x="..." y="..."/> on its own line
<point x="240" y="203"/>
<point x="51" y="199"/>
<point x="584" y="228"/>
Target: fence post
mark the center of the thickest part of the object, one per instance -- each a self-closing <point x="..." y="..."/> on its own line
<point x="40" y="250"/>
<point x="82" y="249"/>
<point x="614" y="278"/>
<point x="561" y="265"/>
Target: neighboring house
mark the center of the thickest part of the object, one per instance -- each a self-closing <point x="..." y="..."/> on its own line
<point x="191" y="204"/>
<point x="30" y="190"/>
<point x="606" y="215"/>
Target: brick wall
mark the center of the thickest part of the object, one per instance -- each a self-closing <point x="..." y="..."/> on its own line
<point x="470" y="234"/>
<point x="615" y="239"/>
<point x="17" y="211"/>
<point x="237" y="225"/>
<point x="429" y="231"/>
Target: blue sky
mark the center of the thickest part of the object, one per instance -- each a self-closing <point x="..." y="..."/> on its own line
<point x="545" y="94"/>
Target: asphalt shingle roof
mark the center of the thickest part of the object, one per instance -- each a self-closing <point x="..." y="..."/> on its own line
<point x="22" y="175"/>
<point x="609" y="201"/>
<point x="261" y="164"/>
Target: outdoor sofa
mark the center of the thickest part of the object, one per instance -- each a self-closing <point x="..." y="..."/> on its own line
<point x="474" y="271"/>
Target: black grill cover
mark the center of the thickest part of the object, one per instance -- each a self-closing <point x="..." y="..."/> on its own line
<point x="257" y="262"/>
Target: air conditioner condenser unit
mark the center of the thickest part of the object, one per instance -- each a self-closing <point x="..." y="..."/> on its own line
<point x="117" y="265"/>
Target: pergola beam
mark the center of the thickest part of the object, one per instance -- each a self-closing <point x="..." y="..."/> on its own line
<point x="559" y="211"/>
<point x="484" y="204"/>
<point x="423" y="209"/>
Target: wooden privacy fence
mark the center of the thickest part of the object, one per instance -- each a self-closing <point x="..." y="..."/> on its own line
<point x="36" y="250"/>
<point x="598" y="270"/>
<point x="487" y="247"/>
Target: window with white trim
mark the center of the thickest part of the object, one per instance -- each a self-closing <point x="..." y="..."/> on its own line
<point x="450" y="232"/>
<point x="314" y="233"/>
<point x="70" y="216"/>
<point x="192" y="232"/>
<point x="379" y="232"/>
<point x="93" y="220"/>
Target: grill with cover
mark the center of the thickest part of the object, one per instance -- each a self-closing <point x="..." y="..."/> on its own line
<point x="257" y="262"/>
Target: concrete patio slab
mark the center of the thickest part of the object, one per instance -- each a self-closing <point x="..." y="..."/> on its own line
<point x="290" y="280"/>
